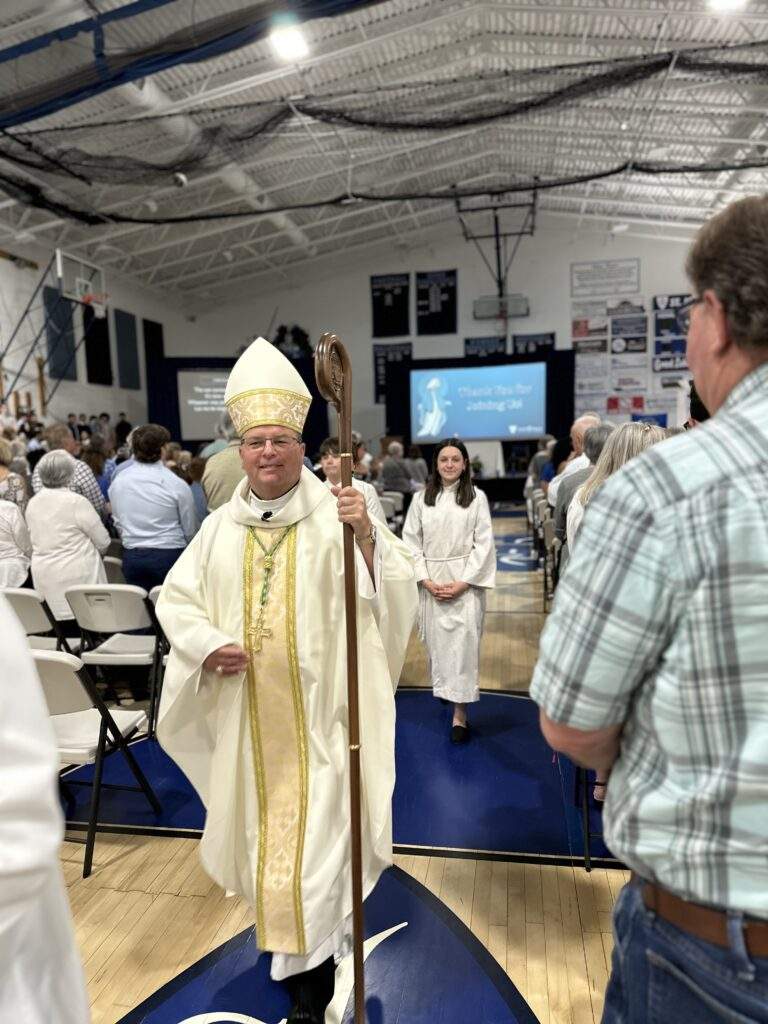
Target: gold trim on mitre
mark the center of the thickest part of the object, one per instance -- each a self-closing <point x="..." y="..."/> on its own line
<point x="268" y="407"/>
<point x="265" y="389"/>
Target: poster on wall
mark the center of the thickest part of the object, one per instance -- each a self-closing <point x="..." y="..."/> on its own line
<point x="629" y="353"/>
<point x="591" y="365"/>
<point x="659" y="418"/>
<point x="630" y="327"/>
<point x="589" y="327"/>
<point x="668" y="338"/>
<point x="390" y="305"/>
<point x="394" y="352"/>
<point x="480" y="347"/>
<point x="629" y="372"/>
<point x="605" y="277"/>
<point x="624" y="405"/>
<point x="533" y="344"/>
<point x="625" y="306"/>
<point x="675" y="361"/>
<point x="436" y="302"/>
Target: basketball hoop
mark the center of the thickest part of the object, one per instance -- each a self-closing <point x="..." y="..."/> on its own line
<point x="98" y="303"/>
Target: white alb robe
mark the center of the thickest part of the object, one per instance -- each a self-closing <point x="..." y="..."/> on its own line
<point x="452" y="543"/>
<point x="206" y="720"/>
<point x="41" y="978"/>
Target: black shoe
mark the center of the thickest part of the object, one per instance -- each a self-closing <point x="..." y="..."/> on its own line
<point x="311" y="992"/>
<point x="459" y="734"/>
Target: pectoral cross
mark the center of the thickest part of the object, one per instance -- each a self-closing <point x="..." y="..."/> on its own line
<point x="256" y="634"/>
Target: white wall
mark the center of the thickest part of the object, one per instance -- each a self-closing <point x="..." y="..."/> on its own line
<point x="17" y="284"/>
<point x="335" y="295"/>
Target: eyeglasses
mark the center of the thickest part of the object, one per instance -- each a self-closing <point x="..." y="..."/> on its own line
<point x="280" y="444"/>
<point x="683" y="314"/>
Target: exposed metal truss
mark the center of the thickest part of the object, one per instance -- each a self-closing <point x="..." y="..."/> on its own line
<point x="669" y="118"/>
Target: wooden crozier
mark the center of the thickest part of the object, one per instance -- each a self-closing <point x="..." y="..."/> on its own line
<point x="334" y="381"/>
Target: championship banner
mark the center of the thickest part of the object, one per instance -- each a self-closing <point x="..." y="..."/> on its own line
<point x="395" y="352"/>
<point x="494" y="346"/>
<point x="390" y="305"/>
<point x="436" y="302"/>
<point x="532" y="344"/>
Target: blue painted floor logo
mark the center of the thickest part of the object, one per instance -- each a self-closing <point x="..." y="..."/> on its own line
<point x="422" y="966"/>
<point x="514" y="553"/>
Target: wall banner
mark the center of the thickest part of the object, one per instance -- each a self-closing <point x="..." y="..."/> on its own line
<point x="532" y="344"/>
<point x="394" y="352"/>
<point x="390" y="305"/>
<point x="493" y="346"/>
<point x="436" y="302"/>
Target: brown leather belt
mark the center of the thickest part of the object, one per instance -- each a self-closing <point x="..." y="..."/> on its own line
<point x="703" y="922"/>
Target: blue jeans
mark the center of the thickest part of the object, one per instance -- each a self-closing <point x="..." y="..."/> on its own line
<point x="662" y="975"/>
<point x="147" y="567"/>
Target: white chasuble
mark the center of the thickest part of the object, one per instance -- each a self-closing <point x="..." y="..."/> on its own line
<point x="453" y="543"/>
<point x="268" y="750"/>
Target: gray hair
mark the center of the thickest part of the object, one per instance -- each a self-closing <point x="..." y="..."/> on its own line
<point x="594" y="439"/>
<point x="395" y="448"/>
<point x="729" y="256"/>
<point x="56" y="469"/>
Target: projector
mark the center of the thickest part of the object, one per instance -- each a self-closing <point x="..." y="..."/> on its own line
<point x="499" y="307"/>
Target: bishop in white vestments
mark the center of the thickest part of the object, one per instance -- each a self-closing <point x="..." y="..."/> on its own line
<point x="254" y="698"/>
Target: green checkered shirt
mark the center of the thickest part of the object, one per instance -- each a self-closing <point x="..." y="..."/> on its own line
<point x="661" y="622"/>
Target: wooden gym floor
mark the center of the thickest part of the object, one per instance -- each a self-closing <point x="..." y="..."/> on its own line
<point x="148" y="911"/>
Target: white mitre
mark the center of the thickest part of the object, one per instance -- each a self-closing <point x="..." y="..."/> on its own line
<point x="264" y="389"/>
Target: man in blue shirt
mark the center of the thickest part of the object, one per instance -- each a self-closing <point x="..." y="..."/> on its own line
<point x="153" y="509"/>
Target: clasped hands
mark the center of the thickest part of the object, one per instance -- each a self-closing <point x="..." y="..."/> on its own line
<point x="445" y="591"/>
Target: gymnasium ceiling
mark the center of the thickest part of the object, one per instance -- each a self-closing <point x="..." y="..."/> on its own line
<point x="671" y="117"/>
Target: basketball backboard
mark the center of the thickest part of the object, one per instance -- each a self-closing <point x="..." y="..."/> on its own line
<point x="78" y="277"/>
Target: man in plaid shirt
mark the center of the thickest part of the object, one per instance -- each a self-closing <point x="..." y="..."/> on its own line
<point x="83" y="482"/>
<point x="654" y="664"/>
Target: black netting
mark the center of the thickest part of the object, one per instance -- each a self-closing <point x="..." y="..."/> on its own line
<point x="206" y="139"/>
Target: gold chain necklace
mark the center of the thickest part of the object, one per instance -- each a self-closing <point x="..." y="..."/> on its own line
<point x="258" y="630"/>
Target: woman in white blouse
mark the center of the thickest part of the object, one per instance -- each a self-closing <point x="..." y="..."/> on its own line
<point x="449" y="529"/>
<point x="15" y="546"/>
<point x="68" y="536"/>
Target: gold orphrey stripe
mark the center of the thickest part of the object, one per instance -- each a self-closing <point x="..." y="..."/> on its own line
<point x="301" y="733"/>
<point x="298" y="710"/>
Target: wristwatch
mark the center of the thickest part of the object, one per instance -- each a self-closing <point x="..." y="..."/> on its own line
<point x="369" y="538"/>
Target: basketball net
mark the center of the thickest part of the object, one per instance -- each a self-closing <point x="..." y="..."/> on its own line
<point x="98" y="303"/>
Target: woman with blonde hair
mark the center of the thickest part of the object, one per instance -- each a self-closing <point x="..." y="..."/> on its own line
<point x="627" y="441"/>
<point x="623" y="444"/>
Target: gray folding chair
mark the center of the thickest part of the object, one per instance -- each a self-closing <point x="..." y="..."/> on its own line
<point x="87" y="731"/>
<point x="396" y="497"/>
<point x="107" y="613"/>
<point x="114" y="569"/>
<point x="37" y="621"/>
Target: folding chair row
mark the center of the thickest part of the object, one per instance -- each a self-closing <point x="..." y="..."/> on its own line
<point x="87" y="732"/>
<point x="109" y="616"/>
<point x="37" y="621"/>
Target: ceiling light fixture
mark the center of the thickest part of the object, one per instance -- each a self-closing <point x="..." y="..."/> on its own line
<point x="726" y="6"/>
<point x="288" y="42"/>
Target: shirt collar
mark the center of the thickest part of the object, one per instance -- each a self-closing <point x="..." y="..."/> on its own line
<point x="755" y="381"/>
